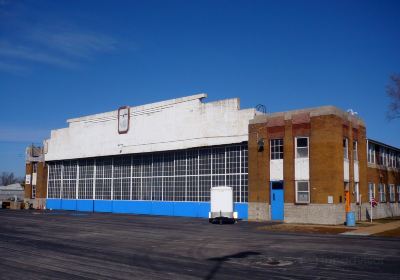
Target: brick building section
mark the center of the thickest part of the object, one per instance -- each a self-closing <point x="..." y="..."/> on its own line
<point x="379" y="174"/>
<point x="326" y="128"/>
<point x="41" y="184"/>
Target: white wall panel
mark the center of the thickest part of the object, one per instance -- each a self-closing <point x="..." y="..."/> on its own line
<point x="302" y="169"/>
<point x="276" y="170"/>
<point x="346" y="168"/>
<point x="356" y="172"/>
<point x="169" y="125"/>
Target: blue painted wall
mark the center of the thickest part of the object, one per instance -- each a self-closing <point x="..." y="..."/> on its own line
<point x="84" y="205"/>
<point x="166" y="208"/>
<point x="68" y="204"/>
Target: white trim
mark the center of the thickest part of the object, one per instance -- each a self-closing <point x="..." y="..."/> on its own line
<point x="355" y="144"/>
<point x="62" y="179"/>
<point x="94" y="179"/>
<point x="357" y="191"/>
<point x="77" y="179"/>
<point x="48" y="179"/>
<point x="131" y="178"/>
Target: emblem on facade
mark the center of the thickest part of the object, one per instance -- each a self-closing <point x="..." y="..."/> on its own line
<point x="123" y="119"/>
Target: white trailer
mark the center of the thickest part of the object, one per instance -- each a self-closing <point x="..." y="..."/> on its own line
<point x="222" y="205"/>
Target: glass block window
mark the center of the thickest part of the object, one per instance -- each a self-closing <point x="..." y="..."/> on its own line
<point x="184" y="175"/>
<point x="69" y="182"/>
<point x="54" y="180"/>
<point x="103" y="182"/>
<point x="122" y="178"/>
<point x="86" y="182"/>
<point x="218" y="161"/>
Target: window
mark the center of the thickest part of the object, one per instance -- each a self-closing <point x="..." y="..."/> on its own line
<point x="55" y="178"/>
<point x="69" y="177"/>
<point x="355" y="150"/>
<point x="398" y="160"/>
<point x="33" y="191"/>
<point x="371" y="153"/>
<point x="34" y="167"/>
<point x="302" y="147"/>
<point x="383" y="156"/>
<point x="346" y="148"/>
<point x="276" y="149"/>
<point x="382" y="193"/>
<point x="392" y="159"/>
<point x="184" y="175"/>
<point x="85" y="187"/>
<point x="398" y="193"/>
<point x="357" y="192"/>
<point x="302" y="192"/>
<point x="371" y="191"/>
<point x="392" y="194"/>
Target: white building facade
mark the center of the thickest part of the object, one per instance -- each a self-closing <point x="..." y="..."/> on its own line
<point x="160" y="158"/>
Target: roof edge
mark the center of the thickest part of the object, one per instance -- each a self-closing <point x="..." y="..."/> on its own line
<point x="168" y="102"/>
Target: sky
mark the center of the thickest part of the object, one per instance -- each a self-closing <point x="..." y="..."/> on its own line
<point x="65" y="59"/>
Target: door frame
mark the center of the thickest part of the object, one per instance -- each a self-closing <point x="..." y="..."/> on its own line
<point x="283" y="198"/>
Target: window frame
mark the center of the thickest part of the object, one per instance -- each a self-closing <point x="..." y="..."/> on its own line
<point x="346" y="148"/>
<point x="382" y="192"/>
<point x="371" y="153"/>
<point x="297" y="192"/>
<point x="392" y="193"/>
<point x="355" y="150"/>
<point x="272" y="143"/>
<point x="33" y="191"/>
<point x="357" y="191"/>
<point x="160" y="176"/>
<point x="398" y="193"/>
<point x="296" y="147"/>
<point x="369" y="191"/>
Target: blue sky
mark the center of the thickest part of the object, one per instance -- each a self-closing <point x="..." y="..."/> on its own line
<point x="64" y="59"/>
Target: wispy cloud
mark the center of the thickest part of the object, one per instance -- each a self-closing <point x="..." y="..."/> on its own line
<point x="22" y="53"/>
<point x="60" y="44"/>
<point x="74" y="43"/>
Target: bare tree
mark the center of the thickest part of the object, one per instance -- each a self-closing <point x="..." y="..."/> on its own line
<point x="7" y="178"/>
<point x="393" y="91"/>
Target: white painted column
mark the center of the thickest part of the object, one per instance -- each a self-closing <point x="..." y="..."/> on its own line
<point x="77" y="180"/>
<point x="112" y="178"/>
<point x="130" y="194"/>
<point x="94" y="179"/>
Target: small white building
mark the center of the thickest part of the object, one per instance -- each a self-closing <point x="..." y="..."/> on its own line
<point x="11" y="191"/>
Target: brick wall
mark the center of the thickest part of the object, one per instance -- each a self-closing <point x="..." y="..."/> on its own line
<point x="326" y="132"/>
<point x="41" y="184"/>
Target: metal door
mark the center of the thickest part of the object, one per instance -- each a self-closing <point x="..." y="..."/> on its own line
<point x="277" y="201"/>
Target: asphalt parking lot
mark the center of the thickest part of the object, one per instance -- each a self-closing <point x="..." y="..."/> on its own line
<point x="76" y="245"/>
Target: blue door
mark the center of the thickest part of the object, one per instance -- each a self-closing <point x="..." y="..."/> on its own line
<point x="277" y="201"/>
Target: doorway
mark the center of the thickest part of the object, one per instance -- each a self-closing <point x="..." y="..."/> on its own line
<point x="277" y="201"/>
